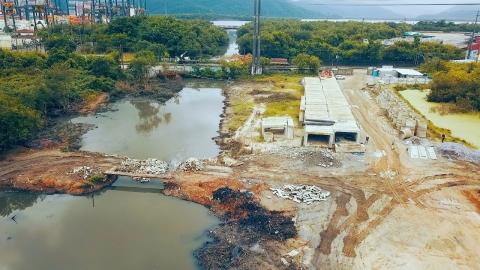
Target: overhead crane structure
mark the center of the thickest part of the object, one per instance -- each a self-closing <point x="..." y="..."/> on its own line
<point x="49" y="12"/>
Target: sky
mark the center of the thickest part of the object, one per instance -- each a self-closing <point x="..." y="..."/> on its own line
<point x="408" y="11"/>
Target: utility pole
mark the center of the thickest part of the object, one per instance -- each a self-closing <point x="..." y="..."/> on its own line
<point x="256" y="65"/>
<point x="5" y="21"/>
<point x="473" y="36"/>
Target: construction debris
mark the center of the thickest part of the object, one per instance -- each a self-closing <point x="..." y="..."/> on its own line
<point x="322" y="157"/>
<point x="191" y="165"/>
<point x="293" y="253"/>
<point x="301" y="193"/>
<point x="141" y="180"/>
<point x="459" y="151"/>
<point x="389" y="174"/>
<point x="150" y="166"/>
<point x="84" y="171"/>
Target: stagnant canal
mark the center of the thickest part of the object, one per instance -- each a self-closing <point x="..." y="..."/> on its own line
<point x="130" y="226"/>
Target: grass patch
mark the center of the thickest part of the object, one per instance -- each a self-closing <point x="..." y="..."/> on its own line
<point x="279" y="108"/>
<point x="241" y="110"/>
<point x="284" y="82"/>
<point x="96" y="179"/>
<point x="128" y="57"/>
<point x="285" y="95"/>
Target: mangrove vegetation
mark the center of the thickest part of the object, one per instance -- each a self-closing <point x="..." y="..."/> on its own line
<point x="352" y="43"/>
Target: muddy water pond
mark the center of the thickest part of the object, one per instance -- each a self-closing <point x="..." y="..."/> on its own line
<point x="117" y="229"/>
<point x="181" y="128"/>
<point x="462" y="125"/>
<point x="130" y="225"/>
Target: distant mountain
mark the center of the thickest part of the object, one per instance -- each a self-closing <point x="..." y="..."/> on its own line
<point x="229" y="8"/>
<point x="349" y="12"/>
<point x="453" y="14"/>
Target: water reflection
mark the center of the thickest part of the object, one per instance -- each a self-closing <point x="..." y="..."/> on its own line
<point x="11" y="202"/>
<point x="148" y="114"/>
<point x="125" y="230"/>
<point x="179" y="129"/>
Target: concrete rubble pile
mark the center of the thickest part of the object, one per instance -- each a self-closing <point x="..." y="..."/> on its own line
<point x="322" y="157"/>
<point x="150" y="166"/>
<point x="389" y="174"/>
<point x="84" y="171"/>
<point x="459" y="151"/>
<point x="404" y="119"/>
<point x="191" y="165"/>
<point x="301" y="193"/>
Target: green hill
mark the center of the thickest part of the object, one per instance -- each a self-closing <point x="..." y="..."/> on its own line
<point x="228" y="8"/>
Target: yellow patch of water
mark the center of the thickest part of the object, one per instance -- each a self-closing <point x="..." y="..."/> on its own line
<point x="465" y="126"/>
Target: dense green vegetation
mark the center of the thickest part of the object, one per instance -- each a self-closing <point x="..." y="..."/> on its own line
<point x="164" y="36"/>
<point x="343" y="42"/>
<point x="34" y="86"/>
<point x="443" y="25"/>
<point x="454" y="83"/>
<point x="83" y="62"/>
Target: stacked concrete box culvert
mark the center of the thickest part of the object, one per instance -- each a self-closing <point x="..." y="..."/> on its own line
<point x="422" y="128"/>
<point x="402" y="117"/>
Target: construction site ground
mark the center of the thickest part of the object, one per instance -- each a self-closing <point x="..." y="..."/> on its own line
<point x="385" y="211"/>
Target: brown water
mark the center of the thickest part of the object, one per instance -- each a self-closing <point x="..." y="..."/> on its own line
<point x="465" y="126"/>
<point x="131" y="225"/>
<point x="126" y="229"/>
<point x="141" y="128"/>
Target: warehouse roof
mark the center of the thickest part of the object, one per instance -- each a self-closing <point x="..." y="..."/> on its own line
<point x="408" y="72"/>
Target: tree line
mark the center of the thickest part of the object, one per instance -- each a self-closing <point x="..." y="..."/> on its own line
<point x="353" y="43"/>
<point x="456" y="83"/>
<point x="444" y="26"/>
<point x="164" y="36"/>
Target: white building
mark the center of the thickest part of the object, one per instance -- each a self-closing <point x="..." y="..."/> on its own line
<point x="390" y="71"/>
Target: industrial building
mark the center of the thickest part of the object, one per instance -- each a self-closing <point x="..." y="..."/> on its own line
<point x="390" y="71"/>
<point x="326" y="114"/>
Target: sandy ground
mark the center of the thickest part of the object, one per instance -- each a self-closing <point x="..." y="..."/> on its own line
<point x="385" y="211"/>
<point x="419" y="218"/>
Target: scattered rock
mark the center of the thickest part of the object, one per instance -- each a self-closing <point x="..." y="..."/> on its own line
<point x="230" y="162"/>
<point x="191" y="165"/>
<point x="293" y="253"/>
<point x="459" y="151"/>
<point x="389" y="174"/>
<point x="84" y="171"/>
<point x="311" y="155"/>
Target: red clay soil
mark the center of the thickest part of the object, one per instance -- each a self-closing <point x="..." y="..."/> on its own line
<point x="199" y="188"/>
<point x="474" y="197"/>
<point x="95" y="103"/>
<point x="50" y="171"/>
